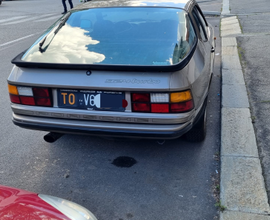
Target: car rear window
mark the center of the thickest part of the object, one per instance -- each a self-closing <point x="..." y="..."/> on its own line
<point x="117" y="36"/>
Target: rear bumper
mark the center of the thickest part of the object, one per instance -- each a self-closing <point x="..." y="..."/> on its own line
<point x="108" y="129"/>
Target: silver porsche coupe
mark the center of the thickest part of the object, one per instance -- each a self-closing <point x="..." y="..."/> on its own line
<point x="118" y="68"/>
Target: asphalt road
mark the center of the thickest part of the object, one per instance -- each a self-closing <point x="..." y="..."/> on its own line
<point x="169" y="181"/>
<point x="254" y="47"/>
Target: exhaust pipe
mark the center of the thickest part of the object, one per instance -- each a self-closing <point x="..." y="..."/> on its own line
<point x="52" y="137"/>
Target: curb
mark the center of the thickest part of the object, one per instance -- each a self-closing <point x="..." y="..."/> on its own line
<point x="242" y="187"/>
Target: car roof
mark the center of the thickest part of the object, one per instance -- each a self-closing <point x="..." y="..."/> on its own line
<point x="184" y="4"/>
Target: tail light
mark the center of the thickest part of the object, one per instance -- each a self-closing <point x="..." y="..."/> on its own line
<point x="175" y="102"/>
<point x="141" y="107"/>
<point x="30" y="96"/>
<point x="140" y="97"/>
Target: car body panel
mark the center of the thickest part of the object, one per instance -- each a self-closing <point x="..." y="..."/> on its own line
<point x="109" y="116"/>
<point x="194" y="75"/>
<point x="126" y="81"/>
<point x="105" y="129"/>
<point x="21" y="204"/>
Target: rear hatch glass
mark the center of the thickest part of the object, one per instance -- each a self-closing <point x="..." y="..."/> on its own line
<point x="117" y="36"/>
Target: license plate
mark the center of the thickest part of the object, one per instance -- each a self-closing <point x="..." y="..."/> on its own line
<point x="91" y="100"/>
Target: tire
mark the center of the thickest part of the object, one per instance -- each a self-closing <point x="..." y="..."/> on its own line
<point x="198" y="132"/>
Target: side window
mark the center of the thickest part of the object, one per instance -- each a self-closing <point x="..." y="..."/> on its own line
<point x="200" y="24"/>
<point x="202" y="19"/>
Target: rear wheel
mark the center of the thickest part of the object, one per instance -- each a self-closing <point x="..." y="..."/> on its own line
<point x="198" y="132"/>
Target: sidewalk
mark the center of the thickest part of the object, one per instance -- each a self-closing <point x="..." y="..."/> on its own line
<point x="242" y="186"/>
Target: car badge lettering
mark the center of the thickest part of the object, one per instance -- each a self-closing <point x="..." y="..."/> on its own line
<point x="133" y="81"/>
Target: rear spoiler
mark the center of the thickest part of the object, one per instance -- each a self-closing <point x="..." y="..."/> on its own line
<point x="132" y="68"/>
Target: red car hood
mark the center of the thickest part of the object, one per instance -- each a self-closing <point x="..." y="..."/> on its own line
<point x="19" y="204"/>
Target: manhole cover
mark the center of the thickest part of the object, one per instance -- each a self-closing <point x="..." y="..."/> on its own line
<point x="124" y="162"/>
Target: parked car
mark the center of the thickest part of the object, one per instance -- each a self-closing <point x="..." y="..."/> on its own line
<point x="118" y="68"/>
<point x="20" y="204"/>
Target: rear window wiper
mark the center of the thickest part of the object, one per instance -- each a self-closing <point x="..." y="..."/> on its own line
<point x="62" y="23"/>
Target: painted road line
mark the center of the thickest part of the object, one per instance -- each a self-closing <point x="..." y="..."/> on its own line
<point x="27" y="19"/>
<point x="19" y="39"/>
<point x="12" y="19"/>
<point x="48" y="19"/>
